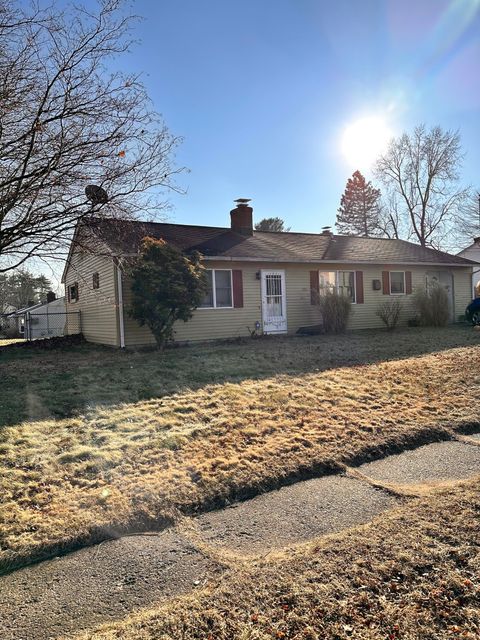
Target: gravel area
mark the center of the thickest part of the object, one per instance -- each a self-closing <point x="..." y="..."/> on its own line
<point x="98" y="584"/>
<point x="432" y="462"/>
<point x="296" y="513"/>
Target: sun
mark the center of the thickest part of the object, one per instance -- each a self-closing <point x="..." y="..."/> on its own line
<point x="364" y="140"/>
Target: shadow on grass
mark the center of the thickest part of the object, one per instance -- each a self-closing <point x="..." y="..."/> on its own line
<point x="58" y="383"/>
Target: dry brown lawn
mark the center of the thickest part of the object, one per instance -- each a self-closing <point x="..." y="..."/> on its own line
<point x="5" y="342"/>
<point x="413" y="574"/>
<point x="107" y="469"/>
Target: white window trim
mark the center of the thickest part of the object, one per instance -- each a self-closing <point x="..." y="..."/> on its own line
<point x="390" y="284"/>
<point x="354" y="301"/>
<point x="214" y="290"/>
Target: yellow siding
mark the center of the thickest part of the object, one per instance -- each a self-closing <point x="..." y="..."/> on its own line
<point x="98" y="307"/>
<point x="462" y="287"/>
<point x="207" y="324"/>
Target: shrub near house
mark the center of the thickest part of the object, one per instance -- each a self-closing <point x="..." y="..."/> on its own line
<point x="167" y="286"/>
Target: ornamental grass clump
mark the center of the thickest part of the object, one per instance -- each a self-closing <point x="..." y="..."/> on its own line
<point x="432" y="306"/>
<point x="335" y="309"/>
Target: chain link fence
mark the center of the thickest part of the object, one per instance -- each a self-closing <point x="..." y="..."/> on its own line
<point x="36" y="326"/>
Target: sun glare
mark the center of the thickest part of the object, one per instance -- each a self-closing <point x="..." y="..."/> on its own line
<point x="364" y="140"/>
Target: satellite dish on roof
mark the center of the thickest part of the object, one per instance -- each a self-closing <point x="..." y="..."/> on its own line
<point x="96" y="194"/>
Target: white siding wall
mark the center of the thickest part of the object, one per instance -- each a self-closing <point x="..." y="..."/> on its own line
<point x="98" y="307"/>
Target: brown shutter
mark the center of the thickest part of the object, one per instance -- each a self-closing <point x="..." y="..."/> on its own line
<point x="359" y="287"/>
<point x="408" y="282"/>
<point x="68" y="293"/>
<point x="77" y="291"/>
<point x="237" y="280"/>
<point x="314" y="287"/>
<point x="386" y="283"/>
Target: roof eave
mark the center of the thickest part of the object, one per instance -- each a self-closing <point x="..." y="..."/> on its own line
<point x="328" y="261"/>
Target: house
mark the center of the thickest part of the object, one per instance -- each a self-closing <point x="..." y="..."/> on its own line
<point x="472" y="252"/>
<point x="264" y="280"/>
<point x="42" y="320"/>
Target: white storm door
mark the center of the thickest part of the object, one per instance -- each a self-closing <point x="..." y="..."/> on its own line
<point x="274" y="303"/>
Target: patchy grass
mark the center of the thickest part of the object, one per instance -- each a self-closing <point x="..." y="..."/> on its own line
<point x="70" y="380"/>
<point x="193" y="428"/>
<point x="411" y="574"/>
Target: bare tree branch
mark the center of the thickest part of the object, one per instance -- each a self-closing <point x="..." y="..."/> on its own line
<point x="66" y="121"/>
<point x="421" y="173"/>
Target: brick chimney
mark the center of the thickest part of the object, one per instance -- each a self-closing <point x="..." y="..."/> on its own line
<point x="241" y="218"/>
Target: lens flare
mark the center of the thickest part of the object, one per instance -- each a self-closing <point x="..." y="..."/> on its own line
<point x="364" y="141"/>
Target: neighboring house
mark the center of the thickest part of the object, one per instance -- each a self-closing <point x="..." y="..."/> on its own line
<point x="42" y="320"/>
<point x="264" y="280"/>
<point x="473" y="253"/>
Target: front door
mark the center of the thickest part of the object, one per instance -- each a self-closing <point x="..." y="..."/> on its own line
<point x="274" y="304"/>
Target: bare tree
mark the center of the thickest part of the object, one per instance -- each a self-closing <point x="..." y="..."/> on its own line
<point x="468" y="226"/>
<point x="67" y="123"/>
<point x="390" y="223"/>
<point x="421" y="170"/>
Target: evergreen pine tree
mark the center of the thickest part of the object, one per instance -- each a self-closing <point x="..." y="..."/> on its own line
<point x="359" y="208"/>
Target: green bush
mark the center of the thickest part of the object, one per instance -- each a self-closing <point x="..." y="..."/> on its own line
<point x="389" y="312"/>
<point x="432" y="306"/>
<point x="335" y="309"/>
<point x="166" y="286"/>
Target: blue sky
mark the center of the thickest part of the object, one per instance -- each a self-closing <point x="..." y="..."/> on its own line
<point x="262" y="90"/>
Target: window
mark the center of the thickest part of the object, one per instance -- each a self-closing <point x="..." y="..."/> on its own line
<point x="72" y="291"/>
<point x="341" y="281"/>
<point x="219" y="289"/>
<point x="397" y="282"/>
<point x="96" y="280"/>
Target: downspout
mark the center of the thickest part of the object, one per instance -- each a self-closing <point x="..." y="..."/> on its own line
<point x="121" y="324"/>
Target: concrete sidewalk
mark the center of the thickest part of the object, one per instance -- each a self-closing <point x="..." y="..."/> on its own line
<point x="108" y="581"/>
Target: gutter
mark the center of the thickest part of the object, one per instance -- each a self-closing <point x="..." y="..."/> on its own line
<point x="326" y="262"/>
<point x="121" y="323"/>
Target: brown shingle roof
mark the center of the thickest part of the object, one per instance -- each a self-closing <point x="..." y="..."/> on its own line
<point x="124" y="238"/>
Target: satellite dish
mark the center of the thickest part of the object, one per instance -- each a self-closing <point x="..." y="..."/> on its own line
<point x="96" y="194"/>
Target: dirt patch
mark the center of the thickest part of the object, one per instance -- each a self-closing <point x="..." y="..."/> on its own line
<point x="98" y="584"/>
<point x="293" y="514"/>
<point x="434" y="462"/>
<point x="44" y="344"/>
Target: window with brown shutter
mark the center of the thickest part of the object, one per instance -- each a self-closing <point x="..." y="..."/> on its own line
<point x="408" y="282"/>
<point x="359" y="297"/>
<point x="397" y="283"/>
<point x="386" y="283"/>
<point x="237" y="283"/>
<point x="314" y="287"/>
<point x="219" y="289"/>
